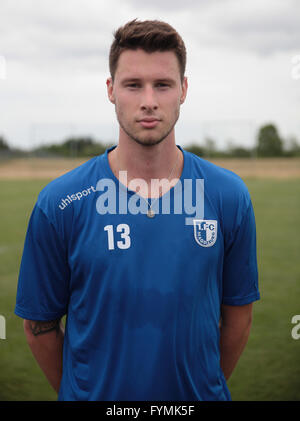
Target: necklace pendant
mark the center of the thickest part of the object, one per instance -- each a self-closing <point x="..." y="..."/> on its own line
<point x="150" y="213"/>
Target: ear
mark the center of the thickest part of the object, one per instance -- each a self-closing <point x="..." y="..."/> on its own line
<point x="184" y="90"/>
<point x="110" y="90"/>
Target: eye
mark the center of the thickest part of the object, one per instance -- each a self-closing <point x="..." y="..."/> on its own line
<point x="132" y="85"/>
<point x="162" y="85"/>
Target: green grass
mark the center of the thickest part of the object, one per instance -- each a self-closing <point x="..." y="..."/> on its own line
<point x="269" y="368"/>
<point x="20" y="376"/>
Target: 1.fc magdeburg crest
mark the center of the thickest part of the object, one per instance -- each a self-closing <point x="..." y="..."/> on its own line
<point x="205" y="232"/>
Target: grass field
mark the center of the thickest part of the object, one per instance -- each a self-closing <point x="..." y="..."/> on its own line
<point x="269" y="369"/>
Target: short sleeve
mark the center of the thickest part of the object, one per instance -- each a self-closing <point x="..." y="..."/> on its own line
<point x="42" y="292"/>
<point x="240" y="274"/>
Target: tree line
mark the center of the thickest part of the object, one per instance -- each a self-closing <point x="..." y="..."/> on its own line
<point x="268" y="144"/>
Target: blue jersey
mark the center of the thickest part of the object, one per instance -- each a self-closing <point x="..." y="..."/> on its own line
<point x="142" y="295"/>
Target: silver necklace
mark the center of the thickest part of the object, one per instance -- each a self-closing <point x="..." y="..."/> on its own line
<point x="150" y="212"/>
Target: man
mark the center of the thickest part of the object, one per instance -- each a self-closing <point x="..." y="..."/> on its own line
<point x="158" y="307"/>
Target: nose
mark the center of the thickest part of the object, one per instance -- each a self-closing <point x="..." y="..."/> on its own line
<point x="149" y="101"/>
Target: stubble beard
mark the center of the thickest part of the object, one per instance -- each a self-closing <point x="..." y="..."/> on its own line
<point x="148" y="142"/>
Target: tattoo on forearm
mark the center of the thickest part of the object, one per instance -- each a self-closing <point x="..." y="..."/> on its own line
<point x="41" y="327"/>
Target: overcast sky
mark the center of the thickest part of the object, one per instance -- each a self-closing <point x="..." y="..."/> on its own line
<point x="243" y="67"/>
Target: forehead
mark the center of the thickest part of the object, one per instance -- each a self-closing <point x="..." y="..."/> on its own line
<point x="140" y="64"/>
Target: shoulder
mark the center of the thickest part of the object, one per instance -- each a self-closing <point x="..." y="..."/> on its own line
<point x="71" y="192"/>
<point x="221" y="183"/>
<point x="71" y="184"/>
<point x="225" y="193"/>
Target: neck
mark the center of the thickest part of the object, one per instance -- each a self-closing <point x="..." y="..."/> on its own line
<point x="146" y="162"/>
<point x="161" y="161"/>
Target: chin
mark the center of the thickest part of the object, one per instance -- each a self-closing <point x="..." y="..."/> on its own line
<point x="149" y="142"/>
<point x="144" y="138"/>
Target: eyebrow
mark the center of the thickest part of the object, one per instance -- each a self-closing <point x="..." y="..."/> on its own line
<point x="159" y="80"/>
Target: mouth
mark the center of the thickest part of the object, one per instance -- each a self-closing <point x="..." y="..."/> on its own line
<point x="149" y="123"/>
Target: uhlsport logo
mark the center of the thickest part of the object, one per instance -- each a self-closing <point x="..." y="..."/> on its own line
<point x="205" y="232"/>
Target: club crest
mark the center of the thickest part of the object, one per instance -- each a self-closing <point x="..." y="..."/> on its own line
<point x="205" y="232"/>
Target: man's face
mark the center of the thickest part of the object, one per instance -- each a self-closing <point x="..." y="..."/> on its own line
<point x="147" y="92"/>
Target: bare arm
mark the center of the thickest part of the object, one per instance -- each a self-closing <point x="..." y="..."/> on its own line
<point x="45" y="339"/>
<point x="235" y="329"/>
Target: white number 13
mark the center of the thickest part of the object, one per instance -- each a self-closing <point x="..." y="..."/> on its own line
<point x="125" y="241"/>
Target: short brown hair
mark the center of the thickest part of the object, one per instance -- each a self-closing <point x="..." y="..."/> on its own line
<point x="150" y="36"/>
